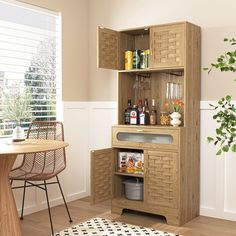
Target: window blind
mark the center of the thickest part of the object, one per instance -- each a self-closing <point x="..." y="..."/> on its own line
<point x="29" y="59"/>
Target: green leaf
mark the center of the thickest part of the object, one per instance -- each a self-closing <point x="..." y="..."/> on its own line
<point x="218" y="131"/>
<point x="233" y="148"/>
<point x="231" y="60"/>
<point x="219" y="152"/>
<point x="225" y="148"/>
<point x="205" y="68"/>
<point x="209" y="139"/>
<point x="228" y="98"/>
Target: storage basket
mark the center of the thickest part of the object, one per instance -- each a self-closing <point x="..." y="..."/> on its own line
<point x="133" y="189"/>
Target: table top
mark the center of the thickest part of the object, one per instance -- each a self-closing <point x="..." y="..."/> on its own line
<point x="30" y="146"/>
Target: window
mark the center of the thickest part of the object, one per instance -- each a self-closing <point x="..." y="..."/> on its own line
<point x="30" y="58"/>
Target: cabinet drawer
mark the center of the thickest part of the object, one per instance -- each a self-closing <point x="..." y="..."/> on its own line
<point x="146" y="137"/>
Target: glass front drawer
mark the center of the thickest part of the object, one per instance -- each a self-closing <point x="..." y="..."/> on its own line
<point x="145" y="137"/>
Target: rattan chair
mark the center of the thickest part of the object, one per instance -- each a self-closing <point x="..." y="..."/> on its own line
<point x="44" y="165"/>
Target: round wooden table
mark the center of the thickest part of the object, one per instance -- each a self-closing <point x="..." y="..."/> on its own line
<point x="9" y="220"/>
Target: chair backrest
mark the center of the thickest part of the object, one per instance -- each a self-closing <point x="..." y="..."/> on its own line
<point x="51" y="162"/>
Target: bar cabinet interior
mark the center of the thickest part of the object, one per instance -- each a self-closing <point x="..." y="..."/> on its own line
<point x="171" y="154"/>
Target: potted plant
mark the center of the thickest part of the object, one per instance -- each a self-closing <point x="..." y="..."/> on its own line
<point x="175" y="105"/>
<point x="225" y="137"/>
<point x="16" y="108"/>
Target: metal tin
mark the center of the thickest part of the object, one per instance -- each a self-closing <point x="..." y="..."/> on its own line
<point x="142" y="59"/>
<point x="128" y="60"/>
<point x="136" y="59"/>
<point x="133" y="189"/>
<point x="147" y="57"/>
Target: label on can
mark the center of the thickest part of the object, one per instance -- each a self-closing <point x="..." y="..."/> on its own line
<point x="128" y="60"/>
<point x="147" y="57"/>
<point x="142" y="59"/>
<point x="136" y="59"/>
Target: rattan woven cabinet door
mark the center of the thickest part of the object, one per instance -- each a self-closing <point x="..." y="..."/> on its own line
<point x="167" y="45"/>
<point x="101" y="176"/>
<point x="161" y="178"/>
<point x="108" y="49"/>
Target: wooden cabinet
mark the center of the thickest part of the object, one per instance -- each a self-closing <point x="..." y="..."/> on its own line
<point x="167" y="43"/>
<point x="171" y="154"/>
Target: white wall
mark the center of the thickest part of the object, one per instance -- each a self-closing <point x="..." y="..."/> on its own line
<point x="217" y="20"/>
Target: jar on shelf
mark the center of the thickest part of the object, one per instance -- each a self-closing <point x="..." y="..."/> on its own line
<point x="165" y="118"/>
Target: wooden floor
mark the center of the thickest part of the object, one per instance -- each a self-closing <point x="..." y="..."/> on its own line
<point x="37" y="224"/>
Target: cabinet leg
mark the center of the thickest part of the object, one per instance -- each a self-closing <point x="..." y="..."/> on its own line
<point x="116" y="210"/>
<point x="172" y="220"/>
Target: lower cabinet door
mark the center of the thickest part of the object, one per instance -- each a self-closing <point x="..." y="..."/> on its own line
<point x="161" y="178"/>
<point x="101" y="175"/>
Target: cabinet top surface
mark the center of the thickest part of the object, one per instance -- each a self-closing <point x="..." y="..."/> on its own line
<point x="147" y="27"/>
<point x="160" y="69"/>
<point x="151" y="127"/>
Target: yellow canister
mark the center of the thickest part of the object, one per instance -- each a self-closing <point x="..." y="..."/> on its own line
<point x="128" y="60"/>
<point x="147" y="54"/>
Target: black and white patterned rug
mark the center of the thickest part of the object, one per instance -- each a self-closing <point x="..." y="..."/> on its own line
<point x="104" y="227"/>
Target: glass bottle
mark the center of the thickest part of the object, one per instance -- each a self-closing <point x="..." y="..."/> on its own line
<point x="153" y="114"/>
<point x="143" y="117"/>
<point x="134" y="116"/>
<point x="140" y="105"/>
<point x="127" y="113"/>
<point x="146" y="105"/>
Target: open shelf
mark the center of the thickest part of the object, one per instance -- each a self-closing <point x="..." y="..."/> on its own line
<point x="129" y="174"/>
<point x="160" y="69"/>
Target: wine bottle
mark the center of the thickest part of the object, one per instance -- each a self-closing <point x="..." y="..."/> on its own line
<point x="153" y="114"/>
<point x="127" y="113"/>
<point x="146" y="105"/>
<point x="140" y="106"/>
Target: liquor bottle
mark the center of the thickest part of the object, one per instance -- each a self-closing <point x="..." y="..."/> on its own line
<point x="140" y="106"/>
<point x="153" y="114"/>
<point x="143" y="117"/>
<point x="146" y="105"/>
<point x="134" y="116"/>
<point x="127" y="113"/>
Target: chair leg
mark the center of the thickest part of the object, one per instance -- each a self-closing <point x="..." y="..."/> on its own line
<point x="49" y="211"/>
<point x="23" y="202"/>
<point x="70" y="220"/>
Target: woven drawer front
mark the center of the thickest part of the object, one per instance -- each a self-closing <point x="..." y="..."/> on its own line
<point x="168" y="45"/>
<point x="102" y="176"/>
<point x="161" y="179"/>
<point x="108" y="49"/>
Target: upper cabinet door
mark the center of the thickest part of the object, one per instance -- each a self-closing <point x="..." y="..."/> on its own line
<point x="108" y="49"/>
<point x="101" y="177"/>
<point x="167" y="44"/>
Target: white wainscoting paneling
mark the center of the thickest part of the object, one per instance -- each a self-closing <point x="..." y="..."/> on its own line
<point x="76" y="123"/>
<point x="87" y="126"/>
<point x="218" y="175"/>
<point x="102" y="116"/>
